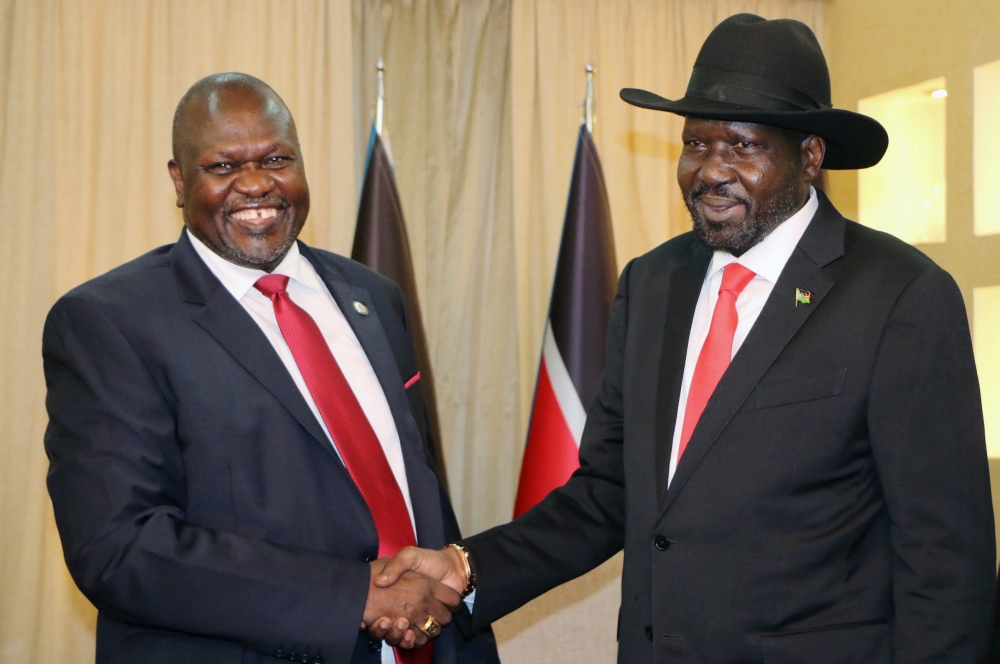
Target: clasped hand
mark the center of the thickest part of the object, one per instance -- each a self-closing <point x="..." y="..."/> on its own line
<point x="405" y="590"/>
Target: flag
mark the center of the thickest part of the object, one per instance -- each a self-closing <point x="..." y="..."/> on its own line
<point x="381" y="243"/>
<point x="573" y="347"/>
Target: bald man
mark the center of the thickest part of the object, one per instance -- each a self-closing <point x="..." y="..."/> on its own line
<point x="236" y="434"/>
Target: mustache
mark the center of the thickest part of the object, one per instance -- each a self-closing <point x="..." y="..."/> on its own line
<point x="720" y="191"/>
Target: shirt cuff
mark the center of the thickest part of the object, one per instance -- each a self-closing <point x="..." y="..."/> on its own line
<point x="470" y="600"/>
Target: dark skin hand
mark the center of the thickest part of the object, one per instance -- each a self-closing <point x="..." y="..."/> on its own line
<point x="411" y="599"/>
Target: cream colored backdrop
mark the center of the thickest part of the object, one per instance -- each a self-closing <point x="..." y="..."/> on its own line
<point x="448" y="118"/>
<point x="482" y="113"/>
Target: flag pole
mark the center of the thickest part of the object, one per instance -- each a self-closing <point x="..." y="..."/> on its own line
<point x="588" y="102"/>
<point x="380" y="102"/>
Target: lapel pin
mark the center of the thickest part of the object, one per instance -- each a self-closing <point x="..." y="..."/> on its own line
<point x="360" y="308"/>
<point x="802" y="296"/>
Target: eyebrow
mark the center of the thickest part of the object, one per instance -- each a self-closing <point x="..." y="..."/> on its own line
<point x="225" y="154"/>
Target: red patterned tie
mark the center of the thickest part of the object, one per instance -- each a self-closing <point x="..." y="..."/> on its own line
<point x="356" y="441"/>
<point x="717" y="351"/>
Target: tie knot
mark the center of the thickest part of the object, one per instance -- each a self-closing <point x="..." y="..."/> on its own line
<point x="271" y="284"/>
<point x="735" y="277"/>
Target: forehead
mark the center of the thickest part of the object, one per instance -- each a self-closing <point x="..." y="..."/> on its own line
<point x="224" y="123"/>
<point x="725" y="128"/>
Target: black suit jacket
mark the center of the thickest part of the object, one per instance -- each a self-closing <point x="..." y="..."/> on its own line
<point x="201" y="507"/>
<point x="833" y="503"/>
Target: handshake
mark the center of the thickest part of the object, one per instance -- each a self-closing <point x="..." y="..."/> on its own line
<point x="413" y="595"/>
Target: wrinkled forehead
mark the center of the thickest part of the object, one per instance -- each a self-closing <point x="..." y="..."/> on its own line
<point x="703" y="128"/>
<point x="233" y="114"/>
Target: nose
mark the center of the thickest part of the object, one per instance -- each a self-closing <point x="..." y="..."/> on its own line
<point x="254" y="182"/>
<point x="715" y="168"/>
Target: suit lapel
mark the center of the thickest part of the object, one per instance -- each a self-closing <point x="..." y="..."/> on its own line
<point x="230" y="325"/>
<point x="422" y="481"/>
<point x="682" y="298"/>
<point x="778" y="322"/>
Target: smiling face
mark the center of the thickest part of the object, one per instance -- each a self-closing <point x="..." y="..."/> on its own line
<point x="238" y="173"/>
<point x="741" y="180"/>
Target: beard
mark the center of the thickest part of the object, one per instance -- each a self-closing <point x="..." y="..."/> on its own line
<point x="257" y="256"/>
<point x="260" y="252"/>
<point x="758" y="220"/>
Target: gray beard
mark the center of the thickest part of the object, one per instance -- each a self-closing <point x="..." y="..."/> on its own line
<point x="739" y="237"/>
<point x="255" y="262"/>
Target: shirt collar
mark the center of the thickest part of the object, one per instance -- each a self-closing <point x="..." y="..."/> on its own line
<point x="239" y="280"/>
<point x="767" y="258"/>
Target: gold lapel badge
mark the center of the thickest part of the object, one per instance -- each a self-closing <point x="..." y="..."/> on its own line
<point x="360" y="308"/>
<point x="802" y="296"/>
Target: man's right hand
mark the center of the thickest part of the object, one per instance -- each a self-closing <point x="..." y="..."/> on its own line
<point x="395" y="610"/>
<point x="445" y="565"/>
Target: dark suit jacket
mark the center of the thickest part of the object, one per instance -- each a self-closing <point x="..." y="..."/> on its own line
<point x="833" y="503"/>
<point x="201" y="508"/>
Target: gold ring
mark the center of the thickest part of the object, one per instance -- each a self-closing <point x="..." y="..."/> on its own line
<point x="431" y="627"/>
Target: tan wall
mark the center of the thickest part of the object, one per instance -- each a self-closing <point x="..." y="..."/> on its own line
<point x="874" y="47"/>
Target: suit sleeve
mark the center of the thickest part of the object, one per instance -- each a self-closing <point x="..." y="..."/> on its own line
<point x="118" y="487"/>
<point x="577" y="526"/>
<point x="926" y="428"/>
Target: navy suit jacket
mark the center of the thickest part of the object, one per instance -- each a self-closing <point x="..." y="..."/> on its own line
<point x="200" y="505"/>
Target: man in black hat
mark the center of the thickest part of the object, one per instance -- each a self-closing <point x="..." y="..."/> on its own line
<point x="788" y="439"/>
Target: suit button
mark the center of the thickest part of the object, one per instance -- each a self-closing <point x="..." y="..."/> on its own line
<point x="661" y="543"/>
<point x="317" y="660"/>
<point x="374" y="646"/>
<point x="649" y="632"/>
<point x="369" y="559"/>
<point x="279" y="653"/>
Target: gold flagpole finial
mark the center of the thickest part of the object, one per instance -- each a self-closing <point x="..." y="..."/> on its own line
<point x="588" y="102"/>
<point x="380" y="102"/>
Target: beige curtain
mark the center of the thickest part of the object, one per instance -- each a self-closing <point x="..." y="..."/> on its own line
<point x="481" y="109"/>
<point x="87" y="91"/>
<point x="447" y="88"/>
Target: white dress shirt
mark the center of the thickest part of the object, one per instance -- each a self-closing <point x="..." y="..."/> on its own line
<point x="308" y="291"/>
<point x="766" y="259"/>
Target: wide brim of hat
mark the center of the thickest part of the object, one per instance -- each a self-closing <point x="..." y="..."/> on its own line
<point x="852" y="140"/>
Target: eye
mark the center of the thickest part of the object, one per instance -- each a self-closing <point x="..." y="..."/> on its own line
<point x="276" y="161"/>
<point x="693" y="143"/>
<point x="746" y="145"/>
<point x="222" y="168"/>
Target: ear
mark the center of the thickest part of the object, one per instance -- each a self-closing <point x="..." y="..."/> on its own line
<point x="175" y="174"/>
<point x="812" y="150"/>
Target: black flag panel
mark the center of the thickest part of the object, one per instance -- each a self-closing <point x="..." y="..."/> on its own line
<point x="381" y="243"/>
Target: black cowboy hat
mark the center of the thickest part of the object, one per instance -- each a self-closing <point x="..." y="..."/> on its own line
<point x="774" y="73"/>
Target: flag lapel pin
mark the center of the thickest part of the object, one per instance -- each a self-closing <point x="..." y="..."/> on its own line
<point x="802" y="296"/>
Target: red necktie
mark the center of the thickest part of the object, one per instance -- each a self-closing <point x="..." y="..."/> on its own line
<point x="717" y="351"/>
<point x="356" y="441"/>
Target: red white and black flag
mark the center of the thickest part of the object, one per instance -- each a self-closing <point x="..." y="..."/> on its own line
<point x="381" y="243"/>
<point x="573" y="349"/>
